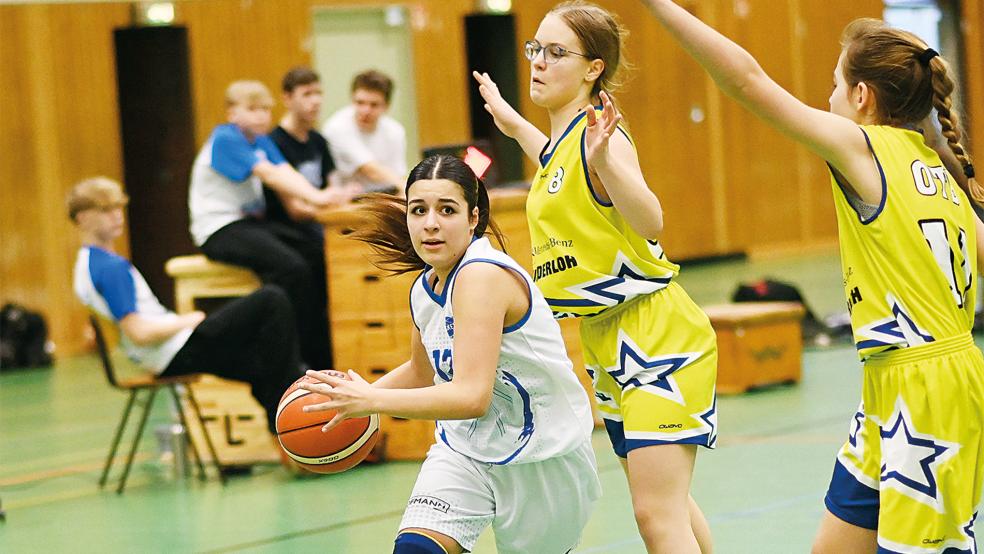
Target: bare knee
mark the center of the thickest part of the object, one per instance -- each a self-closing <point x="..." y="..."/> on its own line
<point x="660" y="522"/>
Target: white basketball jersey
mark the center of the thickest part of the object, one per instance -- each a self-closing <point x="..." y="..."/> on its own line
<point x="539" y="409"/>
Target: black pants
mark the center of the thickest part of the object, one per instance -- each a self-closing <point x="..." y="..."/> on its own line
<point x="291" y="256"/>
<point x="249" y="339"/>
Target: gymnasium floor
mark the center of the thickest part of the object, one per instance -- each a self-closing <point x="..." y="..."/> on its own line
<point x="761" y="489"/>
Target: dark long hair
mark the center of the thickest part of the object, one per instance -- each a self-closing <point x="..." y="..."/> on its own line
<point x="386" y="231"/>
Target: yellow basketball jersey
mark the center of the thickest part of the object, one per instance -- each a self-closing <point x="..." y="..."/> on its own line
<point x="909" y="264"/>
<point x="586" y="257"/>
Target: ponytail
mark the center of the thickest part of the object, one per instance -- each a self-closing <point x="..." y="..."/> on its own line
<point x="950" y="125"/>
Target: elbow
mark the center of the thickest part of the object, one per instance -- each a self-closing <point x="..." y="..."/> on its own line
<point x="655" y="229"/>
<point x="138" y="338"/>
<point x="652" y="227"/>
<point x="477" y="407"/>
<point x="745" y="80"/>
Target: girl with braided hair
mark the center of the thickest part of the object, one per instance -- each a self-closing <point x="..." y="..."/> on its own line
<point x="908" y="479"/>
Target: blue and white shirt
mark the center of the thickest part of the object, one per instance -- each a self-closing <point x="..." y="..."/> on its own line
<point x="539" y="409"/>
<point x="109" y="285"/>
<point x="223" y="188"/>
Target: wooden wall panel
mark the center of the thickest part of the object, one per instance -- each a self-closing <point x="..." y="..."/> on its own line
<point x="231" y="40"/>
<point x="59" y="79"/>
<point x="727" y="182"/>
<point x="973" y="86"/>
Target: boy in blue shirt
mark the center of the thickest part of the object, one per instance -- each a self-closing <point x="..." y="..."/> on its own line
<point x="249" y="339"/>
<point x="228" y="218"/>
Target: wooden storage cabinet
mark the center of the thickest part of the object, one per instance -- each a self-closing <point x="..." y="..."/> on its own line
<point x="369" y="312"/>
<point x="759" y="343"/>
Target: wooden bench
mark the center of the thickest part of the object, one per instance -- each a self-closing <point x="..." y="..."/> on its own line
<point x="198" y="277"/>
<point x="235" y="421"/>
<point x="759" y="343"/>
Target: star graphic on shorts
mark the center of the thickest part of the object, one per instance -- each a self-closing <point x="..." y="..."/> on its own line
<point x="856" y="424"/>
<point x="912" y="458"/>
<point x="969" y="531"/>
<point x="635" y="369"/>
<point x="708" y="421"/>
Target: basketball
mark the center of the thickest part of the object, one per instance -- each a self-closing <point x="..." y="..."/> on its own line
<point x="300" y="435"/>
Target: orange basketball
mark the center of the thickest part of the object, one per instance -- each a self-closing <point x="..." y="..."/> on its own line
<point x="299" y="432"/>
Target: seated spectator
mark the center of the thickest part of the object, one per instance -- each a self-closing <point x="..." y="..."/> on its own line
<point x="249" y="339"/>
<point x="306" y="151"/>
<point x="228" y="213"/>
<point x="304" y="148"/>
<point x="368" y="146"/>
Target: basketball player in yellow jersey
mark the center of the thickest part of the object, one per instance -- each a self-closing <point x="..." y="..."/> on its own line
<point x="909" y="477"/>
<point x="594" y="225"/>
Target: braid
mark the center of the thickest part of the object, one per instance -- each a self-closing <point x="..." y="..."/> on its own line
<point x="950" y="124"/>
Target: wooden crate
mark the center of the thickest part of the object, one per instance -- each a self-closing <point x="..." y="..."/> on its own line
<point x="759" y="343"/>
<point x="235" y="421"/>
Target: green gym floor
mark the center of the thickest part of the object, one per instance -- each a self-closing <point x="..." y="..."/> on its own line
<point x="761" y="489"/>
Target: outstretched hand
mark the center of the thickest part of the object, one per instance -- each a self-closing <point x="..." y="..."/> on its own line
<point x="352" y="397"/>
<point x="506" y="118"/>
<point x="600" y="130"/>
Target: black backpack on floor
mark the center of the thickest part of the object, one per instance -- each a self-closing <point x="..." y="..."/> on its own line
<point x="769" y="290"/>
<point x="23" y="338"/>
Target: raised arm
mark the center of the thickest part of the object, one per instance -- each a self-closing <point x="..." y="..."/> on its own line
<point x="508" y="120"/>
<point x="834" y="138"/>
<point x="615" y="173"/>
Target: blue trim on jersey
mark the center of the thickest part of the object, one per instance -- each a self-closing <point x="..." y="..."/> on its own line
<point x="884" y="195"/>
<point x="442" y="298"/>
<point x="545" y="158"/>
<point x="872" y="344"/>
<point x="881" y="205"/>
<point x="527" y="432"/>
<point x="112" y="277"/>
<point x="528" y="424"/>
<point x="850" y="500"/>
<point x="529" y="292"/>
<point x="912" y="324"/>
<point x="624" y="132"/>
<point x="587" y="173"/>
<point x="413" y="318"/>
<point x="572" y="303"/>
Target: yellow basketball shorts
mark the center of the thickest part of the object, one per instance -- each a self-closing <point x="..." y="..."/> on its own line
<point x="914" y="459"/>
<point x="653" y="361"/>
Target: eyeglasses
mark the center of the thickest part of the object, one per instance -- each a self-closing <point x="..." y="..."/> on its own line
<point x="552" y="53"/>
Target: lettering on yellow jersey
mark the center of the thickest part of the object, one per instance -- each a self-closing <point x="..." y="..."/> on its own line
<point x="556" y="265"/>
<point x="932" y="180"/>
<point x="541" y="248"/>
<point x="853" y="298"/>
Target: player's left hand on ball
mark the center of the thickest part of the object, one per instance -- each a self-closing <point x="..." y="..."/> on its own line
<point x="349" y="396"/>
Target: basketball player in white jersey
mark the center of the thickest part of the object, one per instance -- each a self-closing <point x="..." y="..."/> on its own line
<point x="489" y="364"/>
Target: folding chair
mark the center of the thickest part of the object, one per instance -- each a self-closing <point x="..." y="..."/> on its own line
<point x="150" y="383"/>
